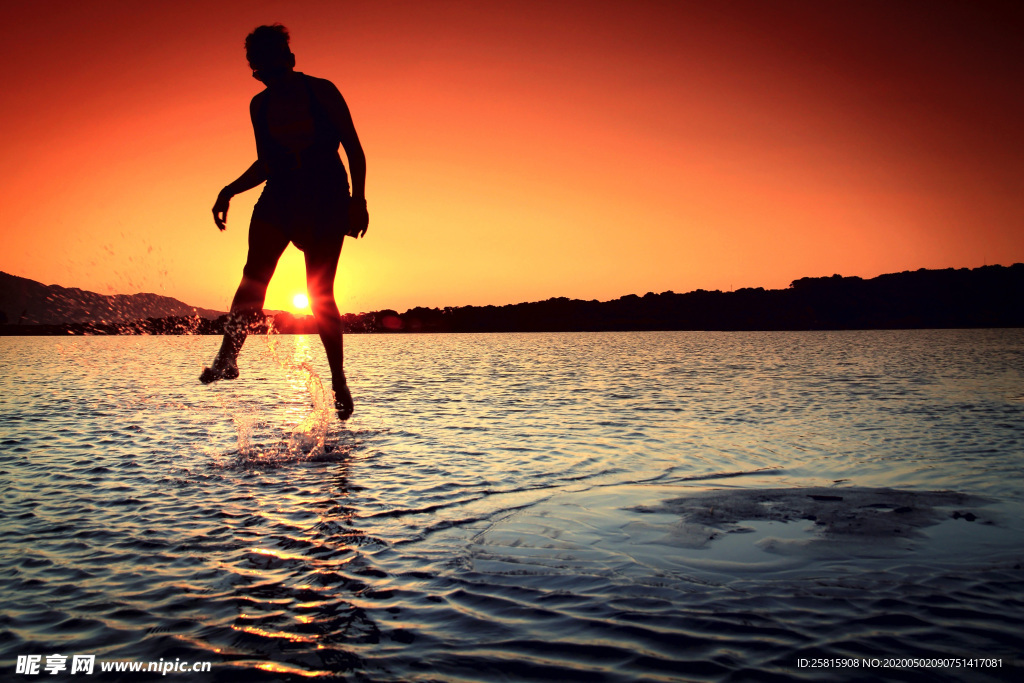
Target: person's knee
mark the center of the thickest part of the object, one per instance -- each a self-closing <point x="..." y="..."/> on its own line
<point x="322" y="302"/>
<point x="256" y="274"/>
<point x="320" y="288"/>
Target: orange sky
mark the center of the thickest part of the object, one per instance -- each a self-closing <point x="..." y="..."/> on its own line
<point x="523" y="150"/>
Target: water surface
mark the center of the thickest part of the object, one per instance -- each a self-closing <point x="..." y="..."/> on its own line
<point x="496" y="510"/>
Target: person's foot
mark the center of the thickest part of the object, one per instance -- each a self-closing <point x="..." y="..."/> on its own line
<point x="219" y="370"/>
<point x="343" y="401"/>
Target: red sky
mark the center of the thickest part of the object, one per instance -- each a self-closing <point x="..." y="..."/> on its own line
<point x="523" y="150"/>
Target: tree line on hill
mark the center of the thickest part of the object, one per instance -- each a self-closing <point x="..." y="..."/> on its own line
<point x="990" y="296"/>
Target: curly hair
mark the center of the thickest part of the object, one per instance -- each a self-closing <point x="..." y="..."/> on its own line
<point x="267" y="44"/>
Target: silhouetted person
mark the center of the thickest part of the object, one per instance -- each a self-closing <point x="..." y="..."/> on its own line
<point x="299" y="121"/>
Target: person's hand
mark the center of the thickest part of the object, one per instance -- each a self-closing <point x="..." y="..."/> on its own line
<point x="220" y="208"/>
<point x="358" y="218"/>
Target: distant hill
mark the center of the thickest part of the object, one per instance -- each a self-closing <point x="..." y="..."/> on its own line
<point x="29" y="302"/>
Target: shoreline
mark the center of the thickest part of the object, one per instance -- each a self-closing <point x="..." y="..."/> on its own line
<point x="140" y="329"/>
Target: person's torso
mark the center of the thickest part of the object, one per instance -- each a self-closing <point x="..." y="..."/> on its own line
<point x="295" y="128"/>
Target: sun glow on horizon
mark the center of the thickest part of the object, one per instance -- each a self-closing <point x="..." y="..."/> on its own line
<point x="538" y="152"/>
<point x="300" y="302"/>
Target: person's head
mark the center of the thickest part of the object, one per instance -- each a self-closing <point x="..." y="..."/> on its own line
<point x="268" y="53"/>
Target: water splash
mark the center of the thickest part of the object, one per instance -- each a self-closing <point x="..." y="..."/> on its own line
<point x="245" y="423"/>
<point x="295" y="427"/>
<point x="309" y="437"/>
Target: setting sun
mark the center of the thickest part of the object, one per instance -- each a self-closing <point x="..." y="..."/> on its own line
<point x="300" y="301"/>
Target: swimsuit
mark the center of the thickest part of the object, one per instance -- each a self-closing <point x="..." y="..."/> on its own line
<point x="306" y="196"/>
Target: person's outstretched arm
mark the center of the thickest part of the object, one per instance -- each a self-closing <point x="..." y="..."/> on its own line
<point x="253" y="176"/>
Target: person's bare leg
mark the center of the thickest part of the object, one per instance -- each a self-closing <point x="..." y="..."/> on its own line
<point x="266" y="244"/>
<point x="245" y="307"/>
<point x="321" y="268"/>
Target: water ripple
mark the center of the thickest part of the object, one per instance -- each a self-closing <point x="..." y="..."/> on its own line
<point x="500" y="506"/>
